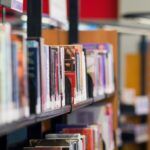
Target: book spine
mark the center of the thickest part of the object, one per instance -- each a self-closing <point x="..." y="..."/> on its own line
<point x="25" y="79"/>
<point x="48" y="104"/>
<point x="5" y="74"/>
<point x="50" y="77"/>
<point x="52" y="86"/>
<point x="15" y="81"/>
<point x="84" y="87"/>
<point x="77" y="72"/>
<point x="60" y="94"/>
<point x="57" y="78"/>
<point x="43" y="77"/>
<point x="33" y="49"/>
<point x="62" y="73"/>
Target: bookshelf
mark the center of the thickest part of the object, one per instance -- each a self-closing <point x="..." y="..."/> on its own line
<point x="34" y="122"/>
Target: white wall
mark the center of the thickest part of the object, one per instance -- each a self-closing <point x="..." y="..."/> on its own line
<point x="132" y="6"/>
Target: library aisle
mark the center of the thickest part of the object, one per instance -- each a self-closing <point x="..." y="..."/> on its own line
<point x="74" y="75"/>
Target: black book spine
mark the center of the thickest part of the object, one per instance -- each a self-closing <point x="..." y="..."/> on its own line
<point x="33" y="58"/>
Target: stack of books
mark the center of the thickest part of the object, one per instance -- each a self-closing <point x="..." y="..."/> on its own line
<point x="88" y="129"/>
<point x="72" y="137"/>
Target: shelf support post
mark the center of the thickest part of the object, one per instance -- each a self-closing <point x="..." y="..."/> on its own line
<point x="34" y="15"/>
<point x="73" y="21"/>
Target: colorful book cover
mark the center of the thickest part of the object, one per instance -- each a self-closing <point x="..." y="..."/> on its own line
<point x="70" y="71"/>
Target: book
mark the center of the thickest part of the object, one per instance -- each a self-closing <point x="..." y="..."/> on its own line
<point x="109" y="67"/>
<point x="97" y="137"/>
<point x="15" y="81"/>
<point x="69" y="137"/>
<point x="69" y="144"/>
<point x="95" y="67"/>
<point x="6" y="91"/>
<point x="104" y="120"/>
<point x="34" y="48"/>
<point x="57" y="76"/>
<point x="59" y="127"/>
<point x="88" y="132"/>
<point x="45" y="76"/>
<point x="19" y="38"/>
<point x="100" y="67"/>
<point x="48" y="148"/>
<point x="75" y="70"/>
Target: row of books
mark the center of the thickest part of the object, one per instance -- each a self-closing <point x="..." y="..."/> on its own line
<point x="99" y="115"/>
<point x="134" y="133"/>
<point x="47" y="77"/>
<point x="72" y="137"/>
<point x="88" y="129"/>
<point x="140" y="103"/>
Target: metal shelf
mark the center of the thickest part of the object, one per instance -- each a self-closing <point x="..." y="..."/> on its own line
<point x="24" y="122"/>
<point x="15" y="125"/>
<point x="82" y="104"/>
<point x="53" y="113"/>
<point x="99" y="98"/>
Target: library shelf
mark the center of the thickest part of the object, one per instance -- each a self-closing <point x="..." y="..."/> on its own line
<point x="110" y="95"/>
<point x="99" y="98"/>
<point x="103" y="99"/>
<point x="53" y="113"/>
<point x="15" y="125"/>
<point x="129" y="138"/>
<point x="24" y="122"/>
<point x="129" y="110"/>
<point x="82" y="104"/>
